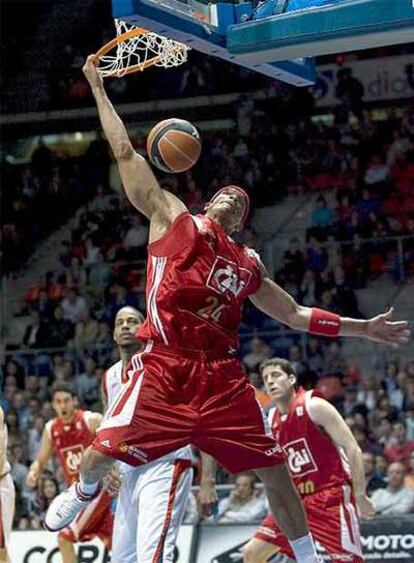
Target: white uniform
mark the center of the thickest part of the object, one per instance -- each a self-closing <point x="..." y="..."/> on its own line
<point x="7" y="499"/>
<point x="152" y="500"/>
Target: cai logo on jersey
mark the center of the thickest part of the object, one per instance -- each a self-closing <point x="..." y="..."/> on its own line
<point x="226" y="277"/>
<point x="299" y="458"/>
<point x="73" y="458"/>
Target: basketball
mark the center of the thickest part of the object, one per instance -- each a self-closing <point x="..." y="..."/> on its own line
<point x="174" y="145"/>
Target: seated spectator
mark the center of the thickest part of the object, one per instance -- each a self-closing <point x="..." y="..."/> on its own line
<point x="86" y="383"/>
<point x="294" y="260"/>
<point x="47" y="491"/>
<point x="86" y="331"/>
<point x="35" y="335"/>
<point x="344" y="211"/>
<point x="242" y="505"/>
<point x="13" y="426"/>
<point x="60" y="330"/>
<point x="377" y="171"/>
<point x="323" y="216"/>
<point x="335" y="364"/>
<point x="19" y="469"/>
<point x="136" y="239"/>
<point x="259" y="351"/>
<point x="396" y="498"/>
<point x="316" y="255"/>
<point x="34" y="437"/>
<point x="399" y="448"/>
<point x="99" y="272"/>
<point x="91" y="252"/>
<point x="73" y="306"/>
<point x="76" y="275"/>
<point x="372" y="479"/>
<point x="309" y="289"/>
<point x="296" y="359"/>
<point x="409" y="478"/>
<point x="44" y="305"/>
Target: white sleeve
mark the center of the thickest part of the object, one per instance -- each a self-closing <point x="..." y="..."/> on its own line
<point x="270" y="416"/>
<point x="48" y="428"/>
<point x="87" y="418"/>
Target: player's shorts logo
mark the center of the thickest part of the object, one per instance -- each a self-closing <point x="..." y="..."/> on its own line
<point x="73" y="458"/>
<point x="133" y="451"/>
<point x="299" y="458"/>
<point x="226" y="277"/>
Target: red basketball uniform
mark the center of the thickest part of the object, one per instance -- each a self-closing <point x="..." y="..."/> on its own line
<point x="321" y="473"/>
<point x="69" y="440"/>
<point x="187" y="385"/>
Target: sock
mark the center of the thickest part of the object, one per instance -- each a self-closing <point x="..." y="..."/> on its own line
<point x="304" y="549"/>
<point x="88" y="489"/>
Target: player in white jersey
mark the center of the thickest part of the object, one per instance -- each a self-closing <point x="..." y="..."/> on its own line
<point x="7" y="495"/>
<point x="153" y="497"/>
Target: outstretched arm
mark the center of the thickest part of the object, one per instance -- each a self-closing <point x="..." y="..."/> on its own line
<point x="43" y="456"/>
<point x="278" y="304"/>
<point x="141" y="186"/>
<point x="328" y="418"/>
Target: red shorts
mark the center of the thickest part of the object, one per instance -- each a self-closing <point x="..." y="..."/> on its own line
<point x="333" y="522"/>
<point x="173" y="400"/>
<point x="96" y="520"/>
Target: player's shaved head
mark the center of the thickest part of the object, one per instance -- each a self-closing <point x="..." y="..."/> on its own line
<point x="130" y="310"/>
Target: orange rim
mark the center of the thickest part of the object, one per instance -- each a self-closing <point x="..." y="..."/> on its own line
<point x="136" y="32"/>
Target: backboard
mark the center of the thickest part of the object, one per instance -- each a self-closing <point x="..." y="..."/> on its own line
<point x="204" y="27"/>
<point x="277" y="38"/>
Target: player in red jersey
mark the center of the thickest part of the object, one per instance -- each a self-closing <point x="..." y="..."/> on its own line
<point x="67" y="436"/>
<point x="188" y="386"/>
<point x="325" y="463"/>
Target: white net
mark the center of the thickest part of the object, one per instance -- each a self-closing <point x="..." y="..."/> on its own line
<point x="135" y="49"/>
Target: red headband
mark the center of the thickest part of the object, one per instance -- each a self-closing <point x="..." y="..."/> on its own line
<point x="241" y="192"/>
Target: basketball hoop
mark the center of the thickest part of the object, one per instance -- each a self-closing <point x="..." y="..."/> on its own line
<point x="136" y="49"/>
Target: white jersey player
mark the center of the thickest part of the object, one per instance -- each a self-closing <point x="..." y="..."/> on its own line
<point x="153" y="497"/>
<point x="7" y="495"/>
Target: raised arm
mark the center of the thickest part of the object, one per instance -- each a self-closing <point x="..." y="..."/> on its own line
<point x="278" y="304"/>
<point x="43" y="456"/>
<point x="328" y="418"/>
<point x="141" y="186"/>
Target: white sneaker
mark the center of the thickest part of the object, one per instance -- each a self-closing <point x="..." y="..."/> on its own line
<point x="65" y="507"/>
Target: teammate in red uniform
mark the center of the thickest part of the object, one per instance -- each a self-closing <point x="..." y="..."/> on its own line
<point x="326" y="464"/>
<point x="188" y="386"/>
<point x="68" y="435"/>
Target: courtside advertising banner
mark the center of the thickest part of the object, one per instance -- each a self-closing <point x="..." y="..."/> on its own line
<point x="41" y="547"/>
<point x="383" y="539"/>
<point x="387" y="78"/>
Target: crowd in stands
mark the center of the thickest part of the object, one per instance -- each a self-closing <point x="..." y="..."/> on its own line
<point x="364" y="176"/>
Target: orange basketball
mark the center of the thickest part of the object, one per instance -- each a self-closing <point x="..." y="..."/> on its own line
<point x="174" y="145"/>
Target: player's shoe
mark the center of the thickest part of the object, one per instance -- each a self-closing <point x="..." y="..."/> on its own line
<point x="65" y="507"/>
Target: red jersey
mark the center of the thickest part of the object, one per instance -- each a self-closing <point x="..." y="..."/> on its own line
<point x="197" y="281"/>
<point x="315" y="462"/>
<point x="69" y="440"/>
